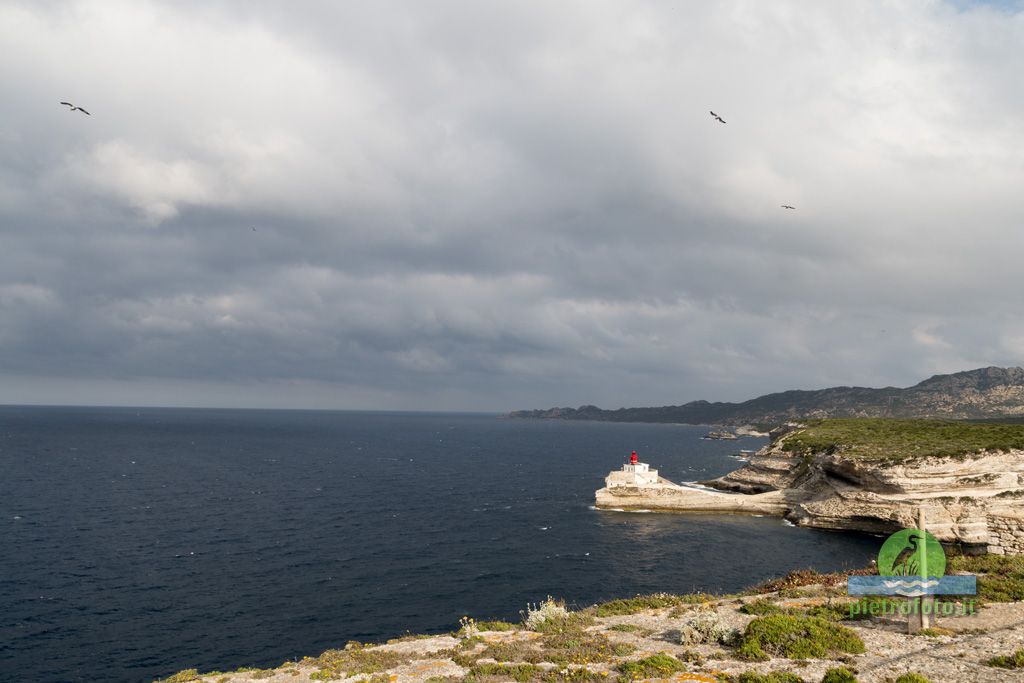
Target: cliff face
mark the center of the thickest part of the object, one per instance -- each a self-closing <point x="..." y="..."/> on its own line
<point x="972" y="499"/>
<point x="974" y="394"/>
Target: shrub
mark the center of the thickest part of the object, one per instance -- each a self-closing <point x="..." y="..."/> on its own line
<point x="773" y="677"/>
<point x="655" y="666"/>
<point x="578" y="646"/>
<point x="551" y="616"/>
<point x="517" y="672"/>
<point x="496" y="626"/>
<point x="807" y="577"/>
<point x="760" y="607"/>
<point x="706" y="627"/>
<point x="354" y="659"/>
<point x="912" y="677"/>
<point x="1001" y="577"/>
<point x="182" y="677"/>
<point x="637" y="604"/>
<point x="1014" y="661"/>
<point x="467" y="628"/>
<point x="797" y="637"/>
<point x="839" y="675"/>
<point x="575" y="674"/>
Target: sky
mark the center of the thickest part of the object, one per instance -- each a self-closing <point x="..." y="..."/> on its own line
<point x="501" y="205"/>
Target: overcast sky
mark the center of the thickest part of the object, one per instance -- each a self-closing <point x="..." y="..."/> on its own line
<point x="500" y="205"/>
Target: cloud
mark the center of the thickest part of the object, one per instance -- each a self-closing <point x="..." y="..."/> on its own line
<point x="504" y="205"/>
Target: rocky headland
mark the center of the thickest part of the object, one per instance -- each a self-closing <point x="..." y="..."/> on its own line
<point x="982" y="394"/>
<point x="872" y="476"/>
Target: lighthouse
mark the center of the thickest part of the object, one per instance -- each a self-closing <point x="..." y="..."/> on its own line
<point x="633" y="473"/>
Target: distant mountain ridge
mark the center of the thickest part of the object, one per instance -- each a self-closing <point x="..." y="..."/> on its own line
<point x="990" y="392"/>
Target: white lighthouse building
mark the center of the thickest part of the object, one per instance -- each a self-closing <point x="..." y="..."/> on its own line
<point x="633" y="473"/>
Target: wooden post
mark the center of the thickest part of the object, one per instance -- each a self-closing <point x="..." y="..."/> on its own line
<point x="918" y="618"/>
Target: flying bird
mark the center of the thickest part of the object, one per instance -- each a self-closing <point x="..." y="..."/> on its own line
<point x="75" y="107"/>
<point x="787" y="206"/>
<point x="717" y="117"/>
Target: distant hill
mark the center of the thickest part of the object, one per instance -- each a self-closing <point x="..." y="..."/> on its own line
<point x="985" y="393"/>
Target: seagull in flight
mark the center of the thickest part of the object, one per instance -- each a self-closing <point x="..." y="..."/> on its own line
<point x="787" y="206"/>
<point x="717" y="117"/>
<point x="75" y="107"/>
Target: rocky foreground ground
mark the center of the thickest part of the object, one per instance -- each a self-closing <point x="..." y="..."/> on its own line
<point x="795" y="629"/>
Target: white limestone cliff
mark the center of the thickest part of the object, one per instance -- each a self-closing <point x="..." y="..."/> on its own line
<point x="975" y="500"/>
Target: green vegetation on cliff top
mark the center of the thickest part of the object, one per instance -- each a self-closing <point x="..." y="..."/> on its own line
<point x="891" y="439"/>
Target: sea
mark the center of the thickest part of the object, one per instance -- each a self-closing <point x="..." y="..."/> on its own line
<point x="137" y="542"/>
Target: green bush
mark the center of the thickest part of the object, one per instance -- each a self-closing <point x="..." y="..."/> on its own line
<point x="496" y="626"/>
<point x="773" y="677"/>
<point x="912" y="677"/>
<point x="796" y="637"/>
<point x="655" y="666"/>
<point x="1001" y="577"/>
<point x="1014" y="661"/>
<point x="760" y="607"/>
<point x="839" y="675"/>
<point x="644" y="602"/>
<point x="181" y="677"/>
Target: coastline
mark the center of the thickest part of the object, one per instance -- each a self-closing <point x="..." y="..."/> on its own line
<point x="969" y="495"/>
<point x="669" y="638"/>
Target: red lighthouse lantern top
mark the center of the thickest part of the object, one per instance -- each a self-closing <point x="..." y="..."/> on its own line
<point x="632" y="458"/>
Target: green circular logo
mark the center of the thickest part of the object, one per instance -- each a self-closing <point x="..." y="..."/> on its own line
<point x="912" y="552"/>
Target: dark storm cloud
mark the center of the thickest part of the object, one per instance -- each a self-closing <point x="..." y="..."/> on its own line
<point x="467" y="205"/>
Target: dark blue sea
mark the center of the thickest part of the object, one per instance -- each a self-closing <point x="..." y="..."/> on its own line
<point x="138" y="542"/>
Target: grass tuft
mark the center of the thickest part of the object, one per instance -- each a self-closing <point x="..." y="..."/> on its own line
<point x="1014" y="661"/>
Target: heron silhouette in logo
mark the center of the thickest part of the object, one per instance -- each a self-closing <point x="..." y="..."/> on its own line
<point x="906" y="563"/>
